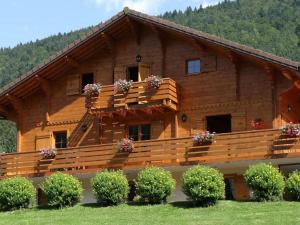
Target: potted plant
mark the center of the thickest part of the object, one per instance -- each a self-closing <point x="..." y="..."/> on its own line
<point x="153" y="82"/>
<point x="48" y="153"/>
<point x="125" y="145"/>
<point x="92" y="90"/>
<point x="122" y="86"/>
<point x="290" y="130"/>
<point x="257" y="124"/>
<point x="204" y="138"/>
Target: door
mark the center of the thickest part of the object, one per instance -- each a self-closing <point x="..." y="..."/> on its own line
<point x="144" y="71"/>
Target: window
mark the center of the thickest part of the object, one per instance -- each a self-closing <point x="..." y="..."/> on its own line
<point x="140" y="132"/>
<point x="60" y="139"/>
<point x="193" y="66"/>
<point x="87" y="78"/>
<point x="133" y="73"/>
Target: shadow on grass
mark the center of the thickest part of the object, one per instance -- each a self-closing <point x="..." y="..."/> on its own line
<point x="183" y="204"/>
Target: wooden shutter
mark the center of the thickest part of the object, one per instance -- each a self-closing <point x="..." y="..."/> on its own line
<point x="43" y="141"/>
<point x="157" y="129"/>
<point x="73" y="84"/>
<point x="119" y="73"/>
<point x="208" y="64"/>
<point x="144" y="71"/>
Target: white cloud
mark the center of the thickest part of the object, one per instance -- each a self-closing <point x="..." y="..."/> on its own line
<point x="150" y="6"/>
<point x="146" y="6"/>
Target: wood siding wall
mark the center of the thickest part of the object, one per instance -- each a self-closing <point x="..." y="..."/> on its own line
<point x="220" y="89"/>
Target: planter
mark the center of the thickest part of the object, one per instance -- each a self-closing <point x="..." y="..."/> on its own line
<point x="205" y="138"/>
<point x="125" y="145"/>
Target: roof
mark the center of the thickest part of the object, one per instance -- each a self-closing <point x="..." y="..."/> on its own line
<point x="234" y="46"/>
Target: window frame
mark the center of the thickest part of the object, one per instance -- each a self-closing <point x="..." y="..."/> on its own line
<point x="140" y="135"/>
<point x="187" y="66"/>
<point x="60" y="132"/>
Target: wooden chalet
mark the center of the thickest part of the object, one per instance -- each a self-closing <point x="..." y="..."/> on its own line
<point x="209" y="83"/>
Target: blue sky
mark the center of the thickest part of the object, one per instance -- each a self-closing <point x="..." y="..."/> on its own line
<point x="26" y="20"/>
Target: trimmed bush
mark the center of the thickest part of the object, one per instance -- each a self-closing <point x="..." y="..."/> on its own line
<point x="154" y="185"/>
<point x="203" y="185"/>
<point x="293" y="185"/>
<point x="16" y="193"/>
<point x="266" y="182"/>
<point x="62" y="190"/>
<point x="110" y="187"/>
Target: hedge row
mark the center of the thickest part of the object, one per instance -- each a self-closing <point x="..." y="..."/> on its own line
<point x="202" y="184"/>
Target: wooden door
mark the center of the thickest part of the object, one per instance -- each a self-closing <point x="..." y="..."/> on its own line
<point x="144" y="71"/>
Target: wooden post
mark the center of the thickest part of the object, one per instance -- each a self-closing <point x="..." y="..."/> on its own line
<point x="46" y="87"/>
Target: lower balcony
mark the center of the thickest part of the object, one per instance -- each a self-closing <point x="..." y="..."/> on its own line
<point x="239" y="146"/>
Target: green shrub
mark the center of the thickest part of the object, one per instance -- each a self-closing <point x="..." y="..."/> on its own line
<point x="16" y="193"/>
<point x="203" y="185"/>
<point x="293" y="185"/>
<point x="62" y="190"/>
<point x="154" y="185"/>
<point x="110" y="187"/>
<point x="266" y="182"/>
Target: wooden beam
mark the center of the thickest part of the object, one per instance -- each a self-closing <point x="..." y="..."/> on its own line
<point x="134" y="30"/>
<point x="287" y="75"/>
<point x="234" y="58"/>
<point x="297" y="84"/>
<point x="16" y="102"/>
<point x="163" y="46"/>
<point x="72" y="62"/>
<point x="46" y="87"/>
<point x="3" y="111"/>
<point x="110" y="43"/>
<point x="198" y="45"/>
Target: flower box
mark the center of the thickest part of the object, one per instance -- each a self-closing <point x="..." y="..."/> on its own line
<point x="257" y="124"/>
<point x="48" y="153"/>
<point x="92" y="90"/>
<point x="125" y="145"/>
<point x="153" y="82"/>
<point x="205" y="138"/>
<point x="122" y="86"/>
<point x="291" y="130"/>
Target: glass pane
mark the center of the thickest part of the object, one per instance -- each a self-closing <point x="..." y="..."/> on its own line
<point x="194" y="66"/>
<point x="60" y="140"/>
<point x="145" y="132"/>
<point x="134" y="132"/>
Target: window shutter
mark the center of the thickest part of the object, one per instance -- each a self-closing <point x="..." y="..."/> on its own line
<point x="208" y="64"/>
<point x="43" y="141"/>
<point x="119" y="73"/>
<point x="144" y="71"/>
<point x="73" y="84"/>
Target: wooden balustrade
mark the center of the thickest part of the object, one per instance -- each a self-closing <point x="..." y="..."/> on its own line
<point x="137" y="96"/>
<point x="248" y="145"/>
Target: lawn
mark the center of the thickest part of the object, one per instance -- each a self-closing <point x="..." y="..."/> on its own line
<point x="225" y="212"/>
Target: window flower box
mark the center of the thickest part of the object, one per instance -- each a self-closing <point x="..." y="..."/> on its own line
<point x="122" y="86"/>
<point x="257" y="124"/>
<point x="48" y="153"/>
<point x="125" y="145"/>
<point x="92" y="90"/>
<point x="153" y="82"/>
<point x="205" y="138"/>
<point x="291" y="130"/>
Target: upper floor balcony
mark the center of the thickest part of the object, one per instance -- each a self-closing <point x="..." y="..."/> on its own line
<point x="139" y="97"/>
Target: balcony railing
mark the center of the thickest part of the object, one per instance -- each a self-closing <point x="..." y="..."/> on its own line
<point x="249" y="145"/>
<point x="138" y="96"/>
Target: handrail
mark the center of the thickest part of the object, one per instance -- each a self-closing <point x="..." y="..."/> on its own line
<point x="247" y="145"/>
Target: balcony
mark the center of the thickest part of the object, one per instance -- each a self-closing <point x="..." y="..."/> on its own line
<point x="238" y="146"/>
<point x="137" y="98"/>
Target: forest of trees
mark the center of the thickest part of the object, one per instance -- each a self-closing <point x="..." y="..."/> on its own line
<point x="269" y="25"/>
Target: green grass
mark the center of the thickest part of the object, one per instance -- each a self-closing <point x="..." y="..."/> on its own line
<point x="225" y="212"/>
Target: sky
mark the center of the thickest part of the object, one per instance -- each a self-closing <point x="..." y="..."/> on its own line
<point x="22" y="21"/>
